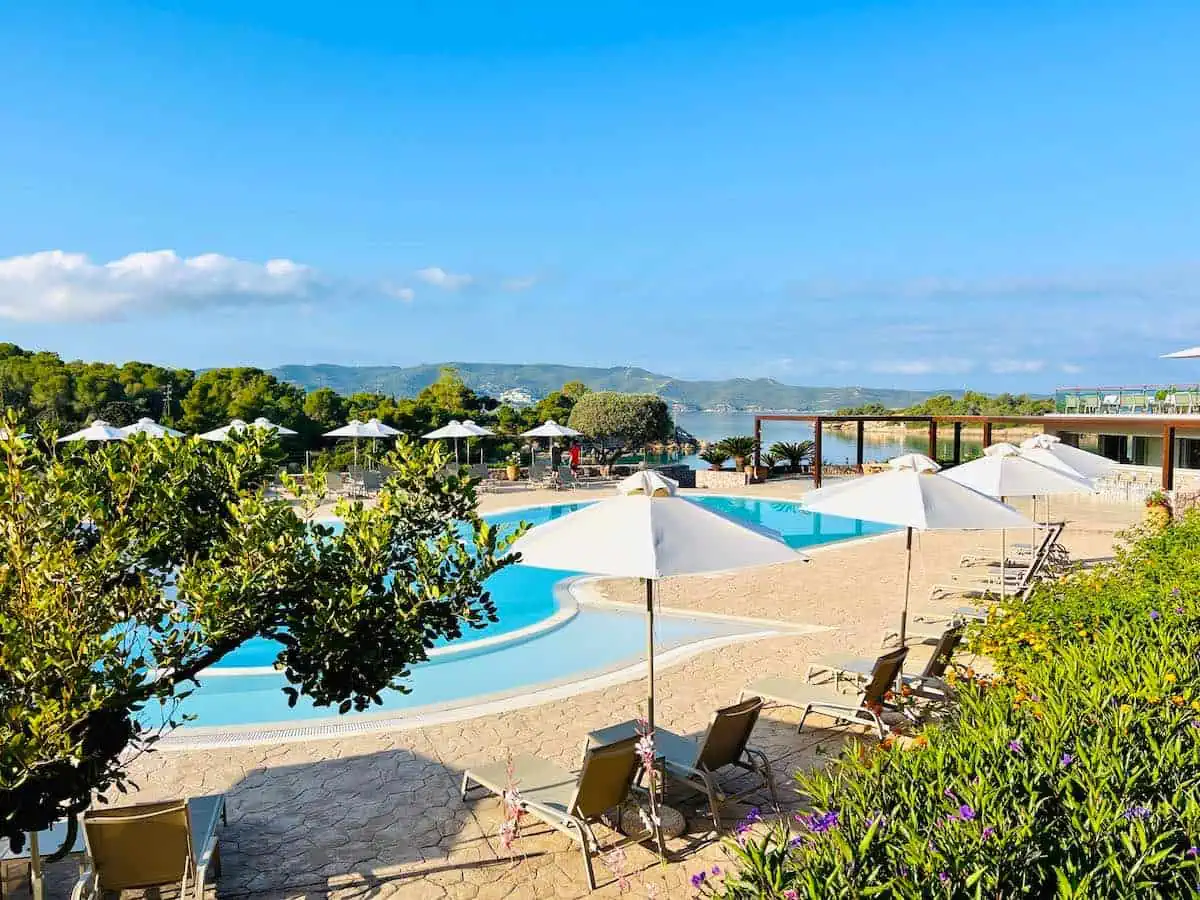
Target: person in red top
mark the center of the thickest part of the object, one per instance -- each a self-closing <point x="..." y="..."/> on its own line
<point x="575" y="456"/>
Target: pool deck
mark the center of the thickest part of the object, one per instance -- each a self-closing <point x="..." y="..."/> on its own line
<point x="379" y="815"/>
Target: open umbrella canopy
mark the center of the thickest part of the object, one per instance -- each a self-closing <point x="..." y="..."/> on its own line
<point x="99" y="430"/>
<point x="453" y="429"/>
<point x="150" y="428"/>
<point x="551" y="429"/>
<point x="1004" y="471"/>
<point x="352" y="429"/>
<point x="647" y="531"/>
<point x="914" y="499"/>
<point x="380" y="430"/>
<point x="1078" y="462"/>
<point x="1189" y="353"/>
<point x="238" y="425"/>
<point x="478" y="430"/>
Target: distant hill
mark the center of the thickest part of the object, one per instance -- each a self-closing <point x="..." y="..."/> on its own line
<point x="539" y="380"/>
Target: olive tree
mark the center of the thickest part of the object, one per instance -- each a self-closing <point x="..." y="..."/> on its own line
<point x="621" y="423"/>
<point x="126" y="571"/>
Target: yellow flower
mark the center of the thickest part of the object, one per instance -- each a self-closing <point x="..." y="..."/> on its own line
<point x="1178" y="700"/>
<point x="1125" y="707"/>
<point x="1169" y="678"/>
<point x="1196" y="705"/>
<point x="1154" y="698"/>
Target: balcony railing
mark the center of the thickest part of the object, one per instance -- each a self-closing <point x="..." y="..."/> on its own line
<point x="1139" y="399"/>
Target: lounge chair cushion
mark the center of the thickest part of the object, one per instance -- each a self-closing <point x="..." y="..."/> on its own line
<point x="798" y="692"/>
<point x="676" y="749"/>
<point x="539" y="783"/>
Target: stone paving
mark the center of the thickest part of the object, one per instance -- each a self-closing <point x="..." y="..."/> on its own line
<point x="379" y="815"/>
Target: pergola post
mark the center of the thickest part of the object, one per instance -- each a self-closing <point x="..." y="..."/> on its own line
<point x="987" y="435"/>
<point x="933" y="439"/>
<point x="859" y="445"/>
<point x="816" y="466"/>
<point x="1168" y="458"/>
<point x="957" y="443"/>
<point x="757" y="444"/>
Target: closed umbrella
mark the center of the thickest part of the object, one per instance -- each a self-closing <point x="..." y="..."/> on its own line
<point x="99" y="430"/>
<point x="550" y="430"/>
<point x="648" y="531"/>
<point x="150" y="428"/>
<point x="454" y="430"/>
<point x="912" y="495"/>
<point x="1005" y="472"/>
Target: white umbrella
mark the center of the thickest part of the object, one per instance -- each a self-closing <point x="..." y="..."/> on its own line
<point x="239" y="425"/>
<point x="352" y="429"/>
<point x="150" y="428"/>
<point x="548" y="429"/>
<point x="647" y="531"/>
<point x="1189" y="353"/>
<point x="1080" y="462"/>
<point x="1004" y="471"/>
<point x="455" y="429"/>
<point x="99" y="430"/>
<point x="380" y="430"/>
<point x="914" y="497"/>
<point x="480" y="431"/>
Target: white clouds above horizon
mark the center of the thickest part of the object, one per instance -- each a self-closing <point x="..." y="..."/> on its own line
<point x="922" y="366"/>
<point x="438" y="277"/>
<point x="56" y="286"/>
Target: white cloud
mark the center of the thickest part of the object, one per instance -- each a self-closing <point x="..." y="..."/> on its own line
<point x="400" y="292"/>
<point x="57" y="286"/>
<point x="447" y="281"/>
<point x="951" y="366"/>
<point x="522" y="283"/>
<point x="1071" y="368"/>
<point x="1015" y="366"/>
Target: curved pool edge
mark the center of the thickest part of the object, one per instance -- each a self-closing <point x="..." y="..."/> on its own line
<point x="622" y="672"/>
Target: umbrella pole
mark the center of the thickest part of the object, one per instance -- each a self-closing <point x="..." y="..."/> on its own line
<point x="907" y="584"/>
<point x="650" y="652"/>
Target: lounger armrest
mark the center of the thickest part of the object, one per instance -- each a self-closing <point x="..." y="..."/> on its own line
<point x="206" y="857"/>
<point x="85" y="884"/>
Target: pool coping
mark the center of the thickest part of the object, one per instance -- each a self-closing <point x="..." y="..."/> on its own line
<point x="581" y="591"/>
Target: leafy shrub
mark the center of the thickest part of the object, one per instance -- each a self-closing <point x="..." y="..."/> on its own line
<point x="797" y="453"/>
<point x="715" y="456"/>
<point x="739" y="446"/>
<point x="1073" y="773"/>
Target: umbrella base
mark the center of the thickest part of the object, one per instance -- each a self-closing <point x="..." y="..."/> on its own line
<point x="631" y="825"/>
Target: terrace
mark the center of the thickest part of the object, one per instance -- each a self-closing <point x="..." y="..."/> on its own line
<point x="1137" y="399"/>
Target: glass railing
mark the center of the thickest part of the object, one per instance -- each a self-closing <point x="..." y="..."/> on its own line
<point x="1138" y="399"/>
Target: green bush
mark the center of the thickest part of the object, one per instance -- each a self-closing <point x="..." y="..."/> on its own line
<point x="1073" y="773"/>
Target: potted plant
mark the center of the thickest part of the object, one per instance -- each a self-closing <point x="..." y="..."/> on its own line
<point x="513" y="469"/>
<point x="715" y="457"/>
<point x="797" y="453"/>
<point x="1158" y="511"/>
<point x="740" y="447"/>
<point x="763" y="472"/>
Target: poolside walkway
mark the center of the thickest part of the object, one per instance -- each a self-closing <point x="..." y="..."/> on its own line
<point x="378" y="815"/>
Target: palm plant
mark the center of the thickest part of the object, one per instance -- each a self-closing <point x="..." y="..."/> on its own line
<point x="740" y="447"/>
<point x="715" y="456"/>
<point x="797" y="453"/>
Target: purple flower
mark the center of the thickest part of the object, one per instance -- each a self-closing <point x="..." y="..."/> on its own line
<point x="988" y="833"/>
<point x="747" y="823"/>
<point x="1066" y="760"/>
<point x="966" y="813"/>
<point x="949" y="792"/>
<point x="1015" y="746"/>
<point x="1155" y="615"/>
<point x="698" y="879"/>
<point x="715" y="870"/>
<point x="1192" y="851"/>
<point x="1179" y="610"/>
<point x="1196" y="723"/>
<point x="1175" y="592"/>
<point x="944" y="876"/>
<point x="1136" y="812"/>
<point x="798" y="841"/>
<point x="819" y="823"/>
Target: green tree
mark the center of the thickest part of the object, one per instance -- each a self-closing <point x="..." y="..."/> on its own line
<point x="620" y="423"/>
<point x="326" y="408"/>
<point x="124" y="578"/>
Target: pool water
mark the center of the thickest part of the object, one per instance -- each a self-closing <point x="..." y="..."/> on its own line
<point x="242" y="689"/>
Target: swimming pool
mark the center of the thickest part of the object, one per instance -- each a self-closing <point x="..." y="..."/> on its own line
<point x="541" y="638"/>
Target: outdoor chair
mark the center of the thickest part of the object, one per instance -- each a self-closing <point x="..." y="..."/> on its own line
<point x="860" y="705"/>
<point x="1021" y="554"/>
<point x="998" y="581"/>
<point x="335" y="483"/>
<point x="567" y="480"/>
<point x="695" y="762"/>
<point x="928" y="683"/>
<point x="565" y="801"/>
<point x="150" y="845"/>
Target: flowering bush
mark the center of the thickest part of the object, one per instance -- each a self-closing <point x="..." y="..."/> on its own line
<point x="1072" y="773"/>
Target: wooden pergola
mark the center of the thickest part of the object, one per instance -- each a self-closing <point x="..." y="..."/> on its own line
<point x="1170" y="426"/>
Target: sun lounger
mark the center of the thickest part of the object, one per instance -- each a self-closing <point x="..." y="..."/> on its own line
<point x="563" y="800"/>
<point x="929" y="682"/>
<point x="149" y="845"/>
<point x="696" y="762"/>
<point x="1020" y="554"/>
<point x="859" y="704"/>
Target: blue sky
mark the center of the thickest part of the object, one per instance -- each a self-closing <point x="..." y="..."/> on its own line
<point x="918" y="194"/>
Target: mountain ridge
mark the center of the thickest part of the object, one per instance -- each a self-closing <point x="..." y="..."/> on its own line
<point x="539" y="379"/>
